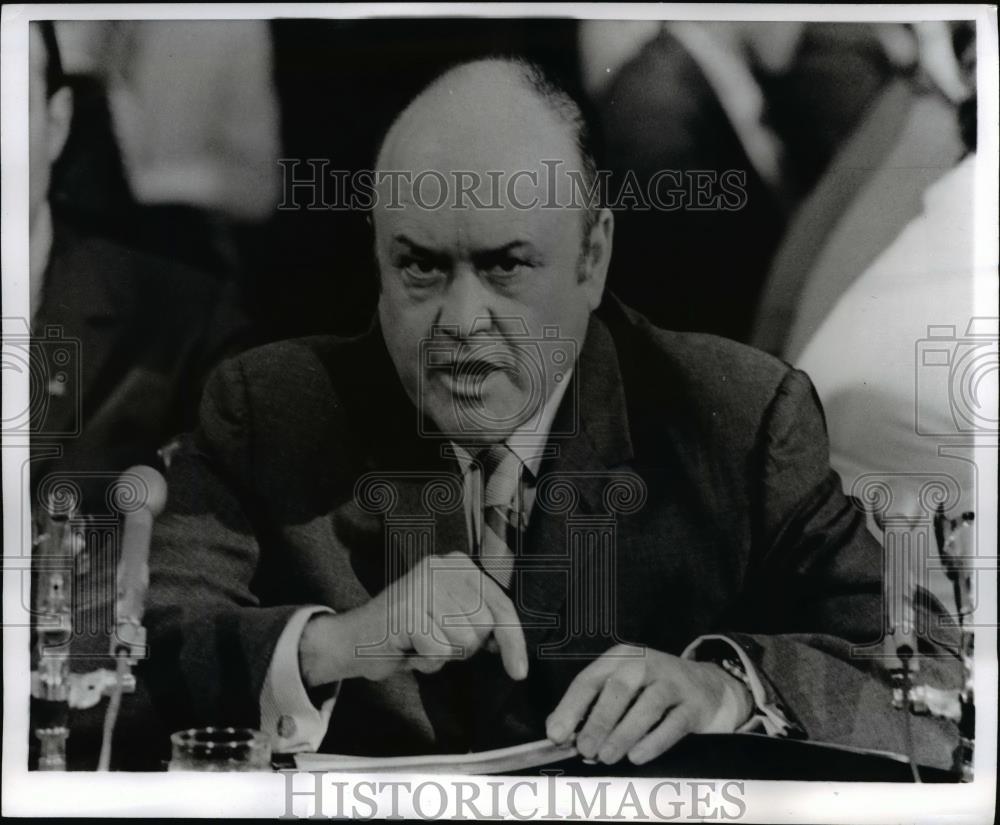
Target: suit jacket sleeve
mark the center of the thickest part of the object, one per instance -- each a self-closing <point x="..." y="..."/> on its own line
<point x="211" y="642"/>
<point x="814" y="602"/>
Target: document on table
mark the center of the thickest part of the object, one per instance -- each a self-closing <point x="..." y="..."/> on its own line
<point x="503" y="760"/>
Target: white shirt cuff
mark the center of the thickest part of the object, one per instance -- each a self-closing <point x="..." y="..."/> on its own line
<point x="765" y="715"/>
<point x="286" y="711"/>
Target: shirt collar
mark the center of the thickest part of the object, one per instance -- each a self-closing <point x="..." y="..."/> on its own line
<point x="524" y="441"/>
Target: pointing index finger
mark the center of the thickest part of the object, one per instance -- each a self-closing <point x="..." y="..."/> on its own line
<point x="506" y="629"/>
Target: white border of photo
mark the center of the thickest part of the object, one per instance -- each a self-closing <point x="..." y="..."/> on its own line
<point x="267" y="795"/>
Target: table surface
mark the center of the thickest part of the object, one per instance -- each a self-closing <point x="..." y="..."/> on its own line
<point x="741" y="756"/>
<point x="142" y="744"/>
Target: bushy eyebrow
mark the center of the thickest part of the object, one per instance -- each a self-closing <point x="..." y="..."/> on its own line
<point x="411" y="244"/>
<point x="418" y="250"/>
<point x="513" y="246"/>
<point x="489" y="253"/>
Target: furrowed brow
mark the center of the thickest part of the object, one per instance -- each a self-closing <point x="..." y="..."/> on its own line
<point x="411" y="247"/>
<point x="493" y="253"/>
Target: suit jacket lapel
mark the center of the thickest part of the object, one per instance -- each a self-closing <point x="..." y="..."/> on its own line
<point x="571" y="484"/>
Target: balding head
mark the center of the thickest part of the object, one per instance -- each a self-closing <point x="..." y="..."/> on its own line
<point x="482" y="249"/>
<point x="494" y="94"/>
<point x="492" y="117"/>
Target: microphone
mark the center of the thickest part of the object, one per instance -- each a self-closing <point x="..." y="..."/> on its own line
<point x="128" y="644"/>
<point x="904" y="571"/>
<point x="53" y="547"/>
<point x="133" y="567"/>
<point x="955" y="546"/>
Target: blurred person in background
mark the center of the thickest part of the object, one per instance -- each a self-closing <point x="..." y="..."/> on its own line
<point x="143" y="332"/>
<point x="893" y="414"/>
<point x="908" y="137"/>
<point x="179" y="118"/>
<point x="817" y="79"/>
<point x="769" y="100"/>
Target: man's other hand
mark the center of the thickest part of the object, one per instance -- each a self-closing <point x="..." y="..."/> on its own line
<point x="640" y="702"/>
<point x="443" y="609"/>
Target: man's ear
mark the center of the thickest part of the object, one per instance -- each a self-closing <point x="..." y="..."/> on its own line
<point x="597" y="257"/>
<point x="60" y="114"/>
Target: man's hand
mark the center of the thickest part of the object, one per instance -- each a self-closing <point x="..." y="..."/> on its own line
<point x="443" y="609"/>
<point x="646" y="701"/>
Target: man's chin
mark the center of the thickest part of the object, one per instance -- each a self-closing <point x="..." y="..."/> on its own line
<point x="474" y="422"/>
<point x="474" y="440"/>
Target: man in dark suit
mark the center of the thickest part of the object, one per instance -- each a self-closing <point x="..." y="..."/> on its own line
<point x="509" y="511"/>
<point x="660" y="111"/>
<point x="120" y="345"/>
<point x="144" y="331"/>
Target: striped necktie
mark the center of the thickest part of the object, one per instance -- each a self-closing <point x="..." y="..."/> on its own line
<point x="501" y="474"/>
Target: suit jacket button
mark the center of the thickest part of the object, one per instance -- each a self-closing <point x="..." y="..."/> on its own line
<point x="286" y="726"/>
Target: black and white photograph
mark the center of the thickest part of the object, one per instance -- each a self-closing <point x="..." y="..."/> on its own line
<point x="452" y="411"/>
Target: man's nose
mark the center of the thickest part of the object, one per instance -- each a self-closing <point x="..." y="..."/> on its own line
<point x="467" y="304"/>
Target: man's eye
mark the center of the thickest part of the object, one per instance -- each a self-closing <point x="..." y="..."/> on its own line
<point x="507" y="268"/>
<point x="422" y="271"/>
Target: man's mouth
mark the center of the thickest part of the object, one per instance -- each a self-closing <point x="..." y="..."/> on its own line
<point x="470" y="378"/>
<point x="471" y="381"/>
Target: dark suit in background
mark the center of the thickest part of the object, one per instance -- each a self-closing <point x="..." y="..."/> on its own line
<point x="148" y="332"/>
<point x="743" y="531"/>
<point x="678" y="267"/>
<point x="814" y="104"/>
<point x="702" y="270"/>
<point x="142" y="334"/>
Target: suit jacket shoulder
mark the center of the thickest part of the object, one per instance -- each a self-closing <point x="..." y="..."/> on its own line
<point x="704" y="389"/>
<point x="699" y="391"/>
<point x="302" y="385"/>
<point x="296" y="422"/>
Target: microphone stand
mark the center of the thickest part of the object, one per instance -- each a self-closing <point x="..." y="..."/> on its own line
<point x="954" y="544"/>
<point x="127" y="647"/>
<point x="128" y="644"/>
<point x="55" y="691"/>
<point x="53" y="545"/>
